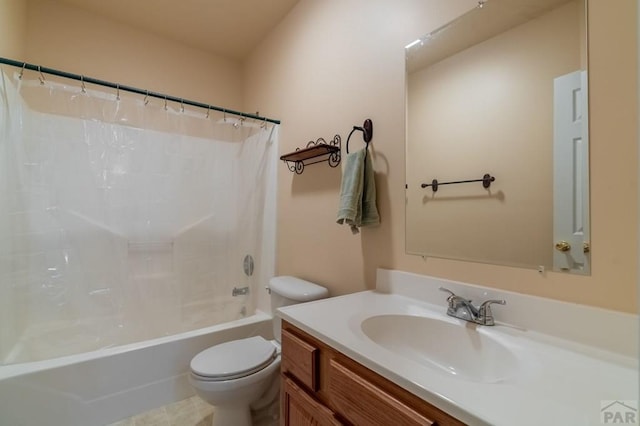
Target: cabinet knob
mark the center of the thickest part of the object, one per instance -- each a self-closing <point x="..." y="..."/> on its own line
<point x="563" y="246"/>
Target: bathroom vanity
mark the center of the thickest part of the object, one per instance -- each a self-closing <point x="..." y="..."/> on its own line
<point x="393" y="356"/>
<point x="322" y="386"/>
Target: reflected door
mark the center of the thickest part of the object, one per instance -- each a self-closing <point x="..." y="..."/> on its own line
<point x="571" y="173"/>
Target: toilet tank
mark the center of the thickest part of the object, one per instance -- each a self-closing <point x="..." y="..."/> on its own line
<point x="287" y="290"/>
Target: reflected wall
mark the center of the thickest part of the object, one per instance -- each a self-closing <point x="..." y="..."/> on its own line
<point x="489" y="109"/>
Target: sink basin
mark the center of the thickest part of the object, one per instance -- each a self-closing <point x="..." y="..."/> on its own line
<point x="460" y="350"/>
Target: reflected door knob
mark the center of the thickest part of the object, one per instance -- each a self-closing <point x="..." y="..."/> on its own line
<point x="563" y="246"/>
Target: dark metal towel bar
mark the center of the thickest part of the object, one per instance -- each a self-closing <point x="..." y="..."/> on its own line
<point x="486" y="182"/>
<point x="367" y="133"/>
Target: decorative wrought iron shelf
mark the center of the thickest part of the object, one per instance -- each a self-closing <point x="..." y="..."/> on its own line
<point x="315" y="152"/>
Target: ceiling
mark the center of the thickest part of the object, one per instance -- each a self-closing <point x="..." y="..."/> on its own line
<point x="230" y="28"/>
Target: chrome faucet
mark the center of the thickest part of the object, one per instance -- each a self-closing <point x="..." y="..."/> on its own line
<point x="462" y="308"/>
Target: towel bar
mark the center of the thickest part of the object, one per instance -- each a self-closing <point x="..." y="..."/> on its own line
<point x="367" y="132"/>
<point x="486" y="182"/>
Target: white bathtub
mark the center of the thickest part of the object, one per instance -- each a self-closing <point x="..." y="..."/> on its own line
<point x="104" y="386"/>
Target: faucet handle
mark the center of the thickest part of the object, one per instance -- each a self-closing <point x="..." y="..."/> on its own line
<point x="486" y="303"/>
<point x="456" y="302"/>
<point x="484" y="312"/>
<point x="447" y="291"/>
<point x="453" y="298"/>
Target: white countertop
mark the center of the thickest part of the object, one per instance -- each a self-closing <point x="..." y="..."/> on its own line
<point x="559" y="381"/>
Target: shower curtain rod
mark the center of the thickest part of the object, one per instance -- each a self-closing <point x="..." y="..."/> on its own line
<point x="38" y="68"/>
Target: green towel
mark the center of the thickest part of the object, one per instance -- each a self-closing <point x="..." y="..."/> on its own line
<point x="358" y="192"/>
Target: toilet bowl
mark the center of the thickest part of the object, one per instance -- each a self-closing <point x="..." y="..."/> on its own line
<point x="232" y="375"/>
<point x="236" y="375"/>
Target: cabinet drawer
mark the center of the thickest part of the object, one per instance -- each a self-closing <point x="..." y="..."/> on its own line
<point x="300" y="409"/>
<point x="361" y="402"/>
<point x="300" y="359"/>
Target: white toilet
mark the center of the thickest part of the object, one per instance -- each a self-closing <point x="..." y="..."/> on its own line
<point x="234" y="375"/>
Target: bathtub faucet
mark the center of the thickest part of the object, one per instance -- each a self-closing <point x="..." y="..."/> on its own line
<point x="240" y="291"/>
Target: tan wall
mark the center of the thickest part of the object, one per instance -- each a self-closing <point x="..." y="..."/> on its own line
<point x="331" y="64"/>
<point x="13" y="20"/>
<point x="489" y="109"/>
<point x="13" y="14"/>
<point x="67" y="38"/>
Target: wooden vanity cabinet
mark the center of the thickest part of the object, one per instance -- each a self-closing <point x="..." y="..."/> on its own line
<point x="322" y="386"/>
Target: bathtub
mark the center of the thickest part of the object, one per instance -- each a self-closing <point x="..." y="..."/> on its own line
<point x="102" y="387"/>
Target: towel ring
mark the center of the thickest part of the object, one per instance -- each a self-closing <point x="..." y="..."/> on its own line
<point x="367" y="133"/>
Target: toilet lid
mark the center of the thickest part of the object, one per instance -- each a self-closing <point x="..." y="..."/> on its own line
<point x="234" y="359"/>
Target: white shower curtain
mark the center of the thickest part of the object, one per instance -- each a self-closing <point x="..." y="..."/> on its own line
<point x="122" y="220"/>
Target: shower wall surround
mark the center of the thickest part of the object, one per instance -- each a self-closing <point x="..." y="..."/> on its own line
<point x="122" y="220"/>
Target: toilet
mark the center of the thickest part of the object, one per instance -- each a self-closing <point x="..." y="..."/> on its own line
<point x="235" y="376"/>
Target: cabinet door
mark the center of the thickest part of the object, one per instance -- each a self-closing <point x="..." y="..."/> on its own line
<point x="300" y="409"/>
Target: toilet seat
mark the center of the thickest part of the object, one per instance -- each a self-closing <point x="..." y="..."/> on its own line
<point x="232" y="360"/>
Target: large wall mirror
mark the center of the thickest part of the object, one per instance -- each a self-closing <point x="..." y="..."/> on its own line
<point x="499" y="97"/>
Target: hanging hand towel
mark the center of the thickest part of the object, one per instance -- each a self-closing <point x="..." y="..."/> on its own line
<point x="370" y="214"/>
<point x="358" y="192"/>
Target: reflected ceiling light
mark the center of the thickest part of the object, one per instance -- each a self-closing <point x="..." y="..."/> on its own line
<point x="413" y="43"/>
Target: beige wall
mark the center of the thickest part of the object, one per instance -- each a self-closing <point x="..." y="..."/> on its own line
<point x="489" y="109"/>
<point x="70" y="39"/>
<point x="13" y="15"/>
<point x="13" y="20"/>
<point x="331" y="64"/>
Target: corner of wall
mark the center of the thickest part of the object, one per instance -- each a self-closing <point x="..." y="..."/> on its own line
<point x="13" y="28"/>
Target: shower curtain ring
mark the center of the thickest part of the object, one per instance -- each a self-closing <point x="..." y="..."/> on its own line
<point x="41" y="77"/>
<point x="146" y="98"/>
<point x="84" y="89"/>
<point x="208" y="110"/>
<point x="224" y="117"/>
<point x="24" y="64"/>
<point x="181" y="105"/>
<point x="165" y="102"/>
<point x="117" y="92"/>
<point x="238" y="123"/>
